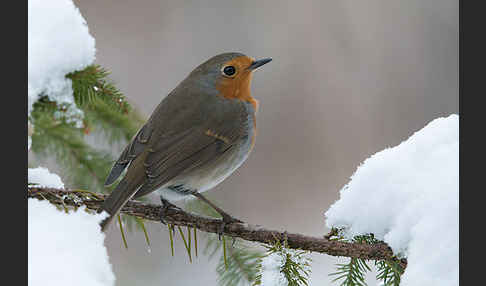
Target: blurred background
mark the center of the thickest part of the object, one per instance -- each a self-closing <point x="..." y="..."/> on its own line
<point x="348" y="79"/>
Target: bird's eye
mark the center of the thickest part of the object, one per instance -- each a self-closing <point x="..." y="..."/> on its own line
<point x="229" y="70"/>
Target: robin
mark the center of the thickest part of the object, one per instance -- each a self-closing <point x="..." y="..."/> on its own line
<point x="196" y="137"/>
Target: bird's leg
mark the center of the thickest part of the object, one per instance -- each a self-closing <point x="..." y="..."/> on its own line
<point x="166" y="205"/>
<point x="226" y="217"/>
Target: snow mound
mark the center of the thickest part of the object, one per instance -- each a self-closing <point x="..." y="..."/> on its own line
<point x="43" y="178"/>
<point x="408" y="196"/>
<point x="58" y="43"/>
<point x="66" y="249"/>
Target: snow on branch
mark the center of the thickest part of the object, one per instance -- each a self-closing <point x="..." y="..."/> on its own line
<point x="408" y="197"/>
<point x="256" y="233"/>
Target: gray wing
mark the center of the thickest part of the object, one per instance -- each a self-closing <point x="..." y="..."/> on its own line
<point x="136" y="146"/>
<point x="191" y="149"/>
<point x="185" y="131"/>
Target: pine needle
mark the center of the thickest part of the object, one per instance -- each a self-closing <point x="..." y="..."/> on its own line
<point x="185" y="243"/>
<point x="142" y="225"/>
<point x="122" y="232"/>
<point x="189" y="238"/>
<point x="171" y="239"/>
<point x="96" y="195"/>
<point x="224" y="253"/>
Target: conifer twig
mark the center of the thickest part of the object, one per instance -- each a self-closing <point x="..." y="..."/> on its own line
<point x="256" y="233"/>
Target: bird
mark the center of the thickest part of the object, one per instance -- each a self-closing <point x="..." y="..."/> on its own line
<point x="197" y="136"/>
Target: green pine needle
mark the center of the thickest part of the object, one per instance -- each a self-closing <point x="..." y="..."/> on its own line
<point x="224" y="254"/>
<point x="185" y="244"/>
<point x="122" y="232"/>
<point x="353" y="273"/>
<point x="171" y="239"/>
<point x="189" y="241"/>
<point x="105" y="112"/>
<point x="389" y="272"/>
<point x="296" y="264"/>
<point x="241" y="264"/>
<point x="142" y="225"/>
<point x="56" y="137"/>
<point x="241" y="256"/>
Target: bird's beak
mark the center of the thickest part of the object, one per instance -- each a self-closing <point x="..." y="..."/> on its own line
<point x="259" y="63"/>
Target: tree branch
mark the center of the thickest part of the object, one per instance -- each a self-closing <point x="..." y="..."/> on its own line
<point x="177" y="216"/>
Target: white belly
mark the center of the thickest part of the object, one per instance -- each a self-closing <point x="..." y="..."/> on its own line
<point x="208" y="177"/>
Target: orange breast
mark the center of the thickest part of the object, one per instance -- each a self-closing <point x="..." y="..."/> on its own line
<point x="238" y="87"/>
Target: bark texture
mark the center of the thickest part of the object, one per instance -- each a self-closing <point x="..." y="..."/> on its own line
<point x="249" y="232"/>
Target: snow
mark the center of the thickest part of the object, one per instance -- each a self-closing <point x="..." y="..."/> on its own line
<point x="43" y="178"/>
<point x="30" y="130"/>
<point x="66" y="249"/>
<point x="58" y="43"/>
<point x="270" y="270"/>
<point x="273" y="262"/>
<point x="408" y="196"/>
<point x="63" y="249"/>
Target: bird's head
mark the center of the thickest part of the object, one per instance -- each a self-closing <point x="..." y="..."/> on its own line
<point x="228" y="75"/>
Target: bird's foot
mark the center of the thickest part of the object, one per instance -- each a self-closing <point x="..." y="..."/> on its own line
<point x="226" y="218"/>
<point x="166" y="205"/>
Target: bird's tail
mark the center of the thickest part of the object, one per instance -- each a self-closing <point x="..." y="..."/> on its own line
<point x="117" y="199"/>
